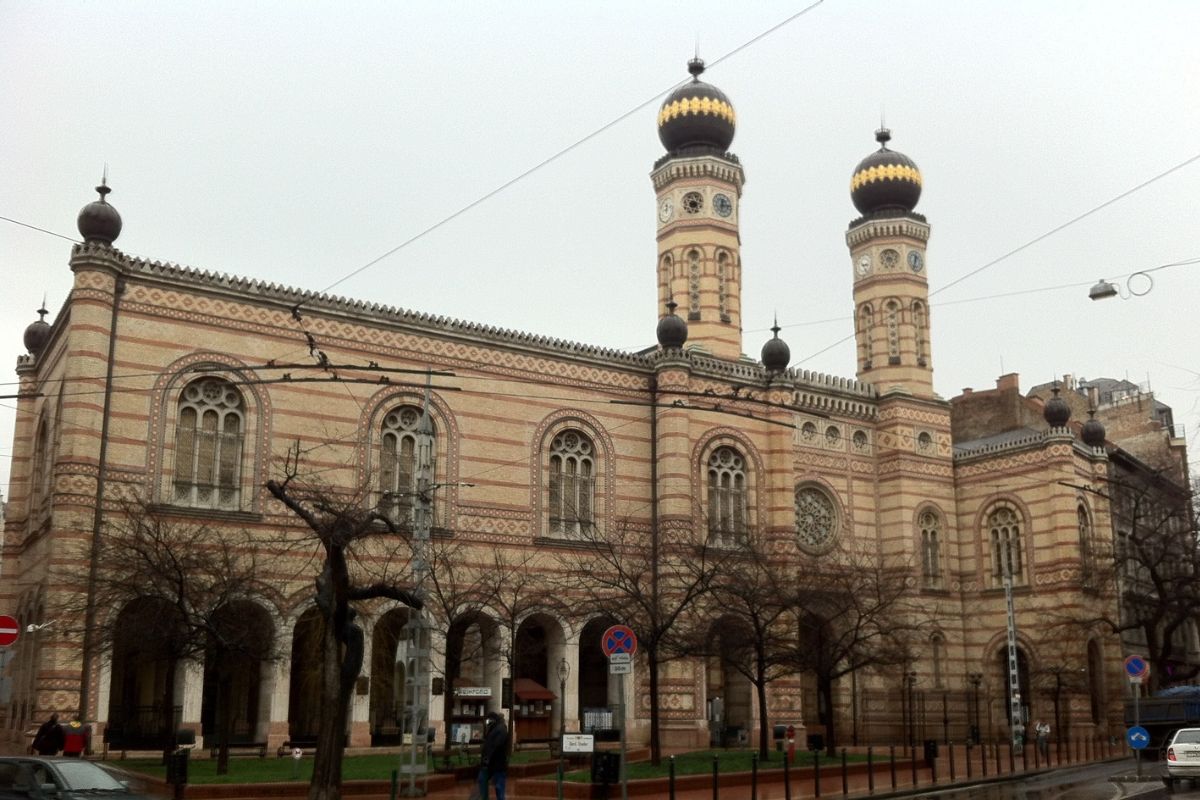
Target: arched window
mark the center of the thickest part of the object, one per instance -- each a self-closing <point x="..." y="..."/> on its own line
<point x="726" y="494"/>
<point x="921" y="328"/>
<point x="1086" y="564"/>
<point x="1022" y="682"/>
<point x="891" y="315"/>
<point x="667" y="275"/>
<point x="41" y="456"/>
<point x="572" y="483"/>
<point x="1004" y="533"/>
<point x="208" y="445"/>
<point x="693" y="257"/>
<point x="723" y="284"/>
<point x="930" y="525"/>
<point x="398" y="462"/>
<point x="937" y="650"/>
<point x="866" y="326"/>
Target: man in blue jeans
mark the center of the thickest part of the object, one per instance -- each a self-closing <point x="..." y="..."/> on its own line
<point x="493" y="759"/>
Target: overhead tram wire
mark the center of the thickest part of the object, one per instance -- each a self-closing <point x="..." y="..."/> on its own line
<point x="557" y="155"/>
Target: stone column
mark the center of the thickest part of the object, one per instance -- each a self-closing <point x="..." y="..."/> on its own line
<point x="275" y="693"/>
<point x="360" y="698"/>
<point x="189" y="694"/>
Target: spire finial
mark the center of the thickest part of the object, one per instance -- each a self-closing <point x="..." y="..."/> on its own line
<point x="671" y="304"/>
<point x="883" y="135"/>
<point x="696" y="66"/>
<point x="775" y="329"/>
<point x="103" y="187"/>
<point x="42" y="312"/>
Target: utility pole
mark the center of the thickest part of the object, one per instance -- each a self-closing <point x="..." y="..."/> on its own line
<point x="1014" y="678"/>
<point x="416" y="629"/>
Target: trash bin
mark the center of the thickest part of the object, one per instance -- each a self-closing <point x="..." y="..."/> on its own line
<point x="931" y="751"/>
<point x="606" y="767"/>
<point x="779" y="733"/>
<point x="816" y="741"/>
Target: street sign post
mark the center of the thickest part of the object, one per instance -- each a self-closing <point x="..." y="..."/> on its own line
<point x="10" y="629"/>
<point x="620" y="668"/>
<point x="1138" y="737"/>
<point x="619" y="643"/>
<point x="1138" y="669"/>
<point x="618" y="639"/>
<point x="578" y="743"/>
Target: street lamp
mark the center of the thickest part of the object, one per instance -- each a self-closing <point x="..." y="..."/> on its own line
<point x="910" y="682"/>
<point x="564" y="671"/>
<point x="975" y="678"/>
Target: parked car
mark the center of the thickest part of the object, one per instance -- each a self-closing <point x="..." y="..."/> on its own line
<point x="1182" y="757"/>
<point x="60" y="779"/>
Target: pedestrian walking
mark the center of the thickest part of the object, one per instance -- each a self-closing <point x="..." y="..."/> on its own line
<point x="493" y="757"/>
<point x="1042" y="731"/>
<point x="49" y="738"/>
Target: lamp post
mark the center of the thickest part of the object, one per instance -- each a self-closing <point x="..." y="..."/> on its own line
<point x="564" y="671"/>
<point x="975" y="678"/>
<point x="910" y="682"/>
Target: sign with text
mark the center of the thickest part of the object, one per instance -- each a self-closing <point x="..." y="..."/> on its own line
<point x="473" y="691"/>
<point x="620" y="658"/>
<point x="618" y="668"/>
<point x="578" y="743"/>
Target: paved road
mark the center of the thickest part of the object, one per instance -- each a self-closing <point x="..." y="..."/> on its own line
<point x="1112" y="781"/>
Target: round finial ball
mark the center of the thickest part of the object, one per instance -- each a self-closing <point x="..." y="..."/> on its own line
<point x="776" y="355"/>
<point x="1056" y="411"/>
<point x="696" y="114"/>
<point x="36" y="336"/>
<point x="672" y="330"/>
<point x="98" y="221"/>
<point x="885" y="179"/>
<point x="1093" y="432"/>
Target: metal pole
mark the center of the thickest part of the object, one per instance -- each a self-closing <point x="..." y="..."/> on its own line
<point x="716" y="789"/>
<point x="817" y="772"/>
<point x="845" y="780"/>
<point x="892" y="763"/>
<point x="1137" y="720"/>
<point x="671" y="779"/>
<point x="871" y="770"/>
<point x="624" y="774"/>
<point x="787" y="776"/>
<point x="754" y="776"/>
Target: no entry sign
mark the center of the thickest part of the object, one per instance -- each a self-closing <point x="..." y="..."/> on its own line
<point x="10" y="629"/>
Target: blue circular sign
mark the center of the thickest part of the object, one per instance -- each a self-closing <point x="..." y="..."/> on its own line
<point x="1136" y="667"/>
<point x="1138" y="737"/>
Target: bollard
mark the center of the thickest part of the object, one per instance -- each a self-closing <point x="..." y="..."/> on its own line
<point x="787" y="778"/>
<point x="560" y="779"/>
<point x="1037" y="758"/>
<point x="912" y="763"/>
<point x="671" y="778"/>
<point x="996" y="751"/>
<point x="1012" y="759"/>
<point x="969" y="759"/>
<point x="816" y="773"/>
<point x="871" y="770"/>
<point x="716" y="779"/>
<point x="754" y="776"/>
<point x="892" y="758"/>
<point x="845" y="780"/>
<point x="950" y="748"/>
<point x="395" y="785"/>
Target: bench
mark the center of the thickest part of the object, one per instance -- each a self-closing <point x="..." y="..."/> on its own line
<point x="258" y="749"/>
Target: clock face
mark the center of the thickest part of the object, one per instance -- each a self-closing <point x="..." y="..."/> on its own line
<point x="915" y="261"/>
<point x="723" y="205"/>
<point x="864" y="264"/>
<point x="665" y="209"/>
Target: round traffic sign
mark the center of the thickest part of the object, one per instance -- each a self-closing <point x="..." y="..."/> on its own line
<point x="1138" y="737"/>
<point x="1137" y="667"/>
<point x="618" y="639"/>
<point x="10" y="629"/>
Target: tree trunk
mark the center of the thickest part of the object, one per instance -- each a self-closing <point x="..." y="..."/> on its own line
<point x="326" y="783"/>
<point x="655" y="745"/>
<point x="760" y="686"/>
<point x="167" y="733"/>
<point x="225" y="726"/>
<point x="825" y="713"/>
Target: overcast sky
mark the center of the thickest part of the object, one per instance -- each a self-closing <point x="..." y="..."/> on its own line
<point x="294" y="142"/>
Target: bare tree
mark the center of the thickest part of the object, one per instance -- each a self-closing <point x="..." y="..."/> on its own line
<point x="855" y="610"/>
<point x="343" y="525"/>
<point x="649" y="581"/>
<point x="178" y="583"/>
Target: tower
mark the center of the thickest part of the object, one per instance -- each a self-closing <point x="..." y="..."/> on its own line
<point x="698" y="186"/>
<point x="891" y="289"/>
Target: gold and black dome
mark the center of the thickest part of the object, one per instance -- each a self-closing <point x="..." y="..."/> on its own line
<point x="696" y="115"/>
<point x="885" y="180"/>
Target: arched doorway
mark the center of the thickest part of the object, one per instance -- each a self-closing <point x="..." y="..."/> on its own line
<point x="538" y="647"/>
<point x="1022" y="683"/>
<point x="390" y="703"/>
<point x="473" y="669"/>
<point x="233" y="666"/>
<point x="304" y="698"/>
<point x="729" y="707"/>
<point x="597" y="688"/>
<point x="142" y="713"/>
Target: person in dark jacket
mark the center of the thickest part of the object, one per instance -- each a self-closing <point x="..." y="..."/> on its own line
<point x="493" y="758"/>
<point x="49" y="738"/>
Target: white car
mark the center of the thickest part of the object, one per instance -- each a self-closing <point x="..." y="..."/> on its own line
<point x="1182" y="756"/>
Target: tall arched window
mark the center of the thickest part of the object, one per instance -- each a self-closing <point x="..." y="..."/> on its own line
<point x="693" y="257"/>
<point x="921" y="328"/>
<point x="41" y="456"/>
<point x="208" y="445"/>
<point x="398" y="462"/>
<point x="866" y="326"/>
<point x="930" y="525"/>
<point x="723" y="284"/>
<point x="668" y="275"/>
<point x="891" y="315"/>
<point x="1086" y="564"/>
<point x="726" y="494"/>
<point x="1004" y="533"/>
<point x="572" y="483"/>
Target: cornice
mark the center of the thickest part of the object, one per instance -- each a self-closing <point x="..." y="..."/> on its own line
<point x="866" y="229"/>
<point x="673" y="168"/>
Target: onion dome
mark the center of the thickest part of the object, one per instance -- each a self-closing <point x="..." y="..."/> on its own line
<point x="885" y="179"/>
<point x="1056" y="412"/>
<point x="672" y="330"/>
<point x="776" y="355"/>
<point x="696" y="114"/>
<point x="98" y="221"/>
<point x="1093" y="432"/>
<point x="38" y="333"/>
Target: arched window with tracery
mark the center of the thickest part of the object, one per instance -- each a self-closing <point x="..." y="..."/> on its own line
<point x="921" y="329"/>
<point x="208" y="445"/>
<point x="866" y="326"/>
<point x="693" y="257"/>
<point x="930" y="525"/>
<point x="668" y="275"/>
<point x="726" y="494"/>
<point x="398" y="464"/>
<point x="1004" y="534"/>
<point x="891" y="316"/>
<point x="572" y="483"/>
<point x="41" y="449"/>
<point x="1086" y="565"/>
